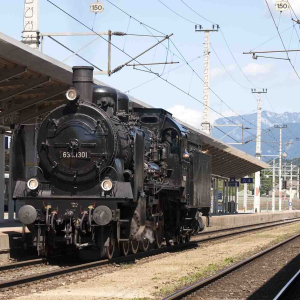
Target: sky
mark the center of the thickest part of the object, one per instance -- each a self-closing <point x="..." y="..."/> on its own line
<point x="244" y="24"/>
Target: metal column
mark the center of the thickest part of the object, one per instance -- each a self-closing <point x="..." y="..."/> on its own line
<point x="205" y="125"/>
<point x="258" y="150"/>
<point x="236" y="198"/>
<point x="223" y="198"/>
<point x="216" y="195"/>
<point x="227" y="196"/>
<point x="291" y="189"/>
<point x="31" y="156"/>
<point x="11" y="203"/>
<point x="2" y="173"/>
<point x="206" y="120"/>
<point x="280" y="166"/>
<point x="297" y="188"/>
<point x="245" y="196"/>
<point x="273" y="189"/>
<point x="285" y="182"/>
<point x="31" y="23"/>
<point x="258" y="155"/>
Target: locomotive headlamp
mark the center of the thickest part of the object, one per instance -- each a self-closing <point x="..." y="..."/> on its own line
<point x="72" y="94"/>
<point x="106" y="185"/>
<point x="32" y="184"/>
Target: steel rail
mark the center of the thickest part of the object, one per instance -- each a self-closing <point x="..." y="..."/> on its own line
<point x="243" y="231"/>
<point x="246" y="226"/>
<point x="22" y="264"/>
<point x="172" y="248"/>
<point x="287" y="287"/>
<point x="200" y="284"/>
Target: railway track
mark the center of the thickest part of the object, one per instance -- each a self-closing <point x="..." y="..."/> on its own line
<point x="191" y="290"/>
<point x="291" y="289"/>
<point x="61" y="271"/>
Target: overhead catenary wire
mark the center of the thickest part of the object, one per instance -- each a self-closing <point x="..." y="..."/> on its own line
<point x="145" y="25"/>
<point x="244" y="87"/>
<point x="50" y="37"/>
<point x="126" y="33"/>
<point x="227" y="45"/>
<point x="236" y="60"/>
<point x="272" y="38"/>
<point x="185" y="59"/>
<point x="227" y="134"/>
<point x="219" y="58"/>
<point x="192" y="22"/>
<point x="287" y="54"/>
<point x="197" y="12"/>
<point x="228" y="48"/>
<point x="170" y="83"/>
<point x="170" y="70"/>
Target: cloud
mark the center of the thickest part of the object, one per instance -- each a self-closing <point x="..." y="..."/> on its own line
<point x="190" y="116"/>
<point x="216" y="72"/>
<point x="193" y="117"/>
<point x="254" y="69"/>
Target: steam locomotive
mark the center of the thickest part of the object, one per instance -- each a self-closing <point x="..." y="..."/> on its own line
<point x="112" y="177"/>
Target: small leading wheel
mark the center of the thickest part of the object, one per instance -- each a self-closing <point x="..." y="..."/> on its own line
<point x="110" y="249"/>
<point x="159" y="237"/>
<point x="134" y="246"/>
<point x="124" y="248"/>
<point x="145" y="244"/>
<point x="182" y="239"/>
<point x="177" y="239"/>
<point x="188" y="238"/>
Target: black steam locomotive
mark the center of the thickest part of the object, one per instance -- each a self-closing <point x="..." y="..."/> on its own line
<point x="111" y="176"/>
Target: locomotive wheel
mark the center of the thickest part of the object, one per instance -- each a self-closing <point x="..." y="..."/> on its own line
<point x="109" y="250"/>
<point x="134" y="246"/>
<point x="177" y="239"/>
<point x="182" y="239"/>
<point x="124" y="248"/>
<point x="159" y="237"/>
<point x="145" y="244"/>
<point x="188" y="238"/>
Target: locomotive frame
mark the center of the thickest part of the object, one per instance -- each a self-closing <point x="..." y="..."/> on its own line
<point x="110" y="176"/>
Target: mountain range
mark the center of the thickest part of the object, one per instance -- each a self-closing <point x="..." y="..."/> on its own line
<point x="269" y="135"/>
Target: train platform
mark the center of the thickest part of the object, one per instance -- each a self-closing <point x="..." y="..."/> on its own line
<point x="11" y="231"/>
<point x="219" y="221"/>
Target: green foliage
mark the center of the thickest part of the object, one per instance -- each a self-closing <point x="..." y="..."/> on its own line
<point x="228" y="260"/>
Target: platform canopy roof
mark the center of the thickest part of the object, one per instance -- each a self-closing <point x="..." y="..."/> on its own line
<point x="32" y="84"/>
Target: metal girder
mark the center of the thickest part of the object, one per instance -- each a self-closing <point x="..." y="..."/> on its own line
<point x="227" y="164"/>
<point x="235" y="163"/>
<point x="55" y="92"/>
<point x="9" y="83"/>
<point x="38" y="91"/>
<point x="234" y="170"/>
<point x="220" y="155"/>
<point x="36" y="113"/>
<point x="9" y="73"/>
<point x="34" y="83"/>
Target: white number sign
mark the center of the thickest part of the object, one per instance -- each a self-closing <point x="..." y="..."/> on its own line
<point x="282" y="5"/>
<point x="76" y="155"/>
<point x="96" y="7"/>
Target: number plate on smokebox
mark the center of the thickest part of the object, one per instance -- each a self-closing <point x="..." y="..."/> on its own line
<point x="78" y="155"/>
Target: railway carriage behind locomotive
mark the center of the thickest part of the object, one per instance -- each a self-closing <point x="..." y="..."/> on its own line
<point x="110" y="175"/>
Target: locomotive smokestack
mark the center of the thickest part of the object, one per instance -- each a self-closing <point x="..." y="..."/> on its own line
<point x="83" y="82"/>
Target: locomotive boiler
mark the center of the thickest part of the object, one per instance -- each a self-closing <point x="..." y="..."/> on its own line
<point x="111" y="176"/>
